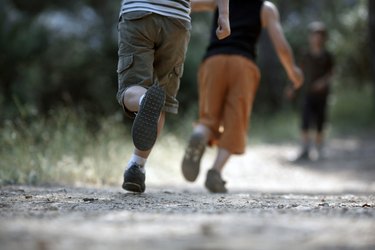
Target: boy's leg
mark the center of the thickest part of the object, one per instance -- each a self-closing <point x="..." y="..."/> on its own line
<point x="132" y="96"/>
<point x="164" y="50"/>
<point x="211" y="96"/>
<point x="194" y="152"/>
<point x="214" y="183"/>
<point x="243" y="78"/>
<point x="134" y="176"/>
<point x="306" y="116"/>
<point x="145" y="125"/>
<point x="320" y="123"/>
<point x="137" y="34"/>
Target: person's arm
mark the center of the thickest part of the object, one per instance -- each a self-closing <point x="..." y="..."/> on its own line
<point x="203" y="5"/>
<point x="271" y="22"/>
<point x="223" y="29"/>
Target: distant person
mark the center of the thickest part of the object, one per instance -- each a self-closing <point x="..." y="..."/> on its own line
<point x="153" y="38"/>
<point x="228" y="79"/>
<point x="317" y="66"/>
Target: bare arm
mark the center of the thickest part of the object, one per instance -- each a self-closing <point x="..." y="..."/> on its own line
<point x="271" y="21"/>
<point x="203" y="5"/>
<point x="223" y="29"/>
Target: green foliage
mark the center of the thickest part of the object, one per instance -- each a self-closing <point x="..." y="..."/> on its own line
<point x="58" y="53"/>
<point x="278" y="127"/>
<point x="63" y="53"/>
<point x="352" y="110"/>
<point x="62" y="149"/>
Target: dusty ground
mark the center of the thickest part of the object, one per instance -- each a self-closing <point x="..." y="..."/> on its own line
<point x="272" y="204"/>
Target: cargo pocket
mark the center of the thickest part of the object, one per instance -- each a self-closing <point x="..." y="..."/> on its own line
<point x="124" y="63"/>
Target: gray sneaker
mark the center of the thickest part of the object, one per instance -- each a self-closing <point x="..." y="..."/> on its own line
<point x="192" y="158"/>
<point x="304" y="156"/>
<point x="145" y="125"/>
<point x="214" y="182"/>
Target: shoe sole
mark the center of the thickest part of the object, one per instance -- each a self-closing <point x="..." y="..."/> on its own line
<point x="145" y="126"/>
<point x="190" y="167"/>
<point x="133" y="187"/>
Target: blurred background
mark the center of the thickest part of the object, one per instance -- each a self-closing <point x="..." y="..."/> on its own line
<point x="59" y="119"/>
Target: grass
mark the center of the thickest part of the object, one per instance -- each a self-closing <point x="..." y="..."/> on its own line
<point x="353" y="110"/>
<point x="64" y="149"/>
<point x="61" y="149"/>
<point x="278" y="127"/>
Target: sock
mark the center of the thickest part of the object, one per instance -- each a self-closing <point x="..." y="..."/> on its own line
<point x="137" y="160"/>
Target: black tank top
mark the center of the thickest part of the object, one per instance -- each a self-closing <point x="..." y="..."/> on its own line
<point x="245" y="22"/>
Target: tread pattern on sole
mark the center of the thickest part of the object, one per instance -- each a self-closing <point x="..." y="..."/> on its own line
<point x="145" y="126"/>
<point x="192" y="157"/>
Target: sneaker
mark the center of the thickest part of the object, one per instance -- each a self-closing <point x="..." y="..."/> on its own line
<point x="214" y="183"/>
<point x="134" y="179"/>
<point x="145" y="125"/>
<point x="303" y="156"/>
<point x="193" y="156"/>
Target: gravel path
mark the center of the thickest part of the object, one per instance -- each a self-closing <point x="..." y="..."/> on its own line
<point x="272" y="204"/>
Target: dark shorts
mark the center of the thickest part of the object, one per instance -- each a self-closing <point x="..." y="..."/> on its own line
<point x="152" y="49"/>
<point x="314" y="112"/>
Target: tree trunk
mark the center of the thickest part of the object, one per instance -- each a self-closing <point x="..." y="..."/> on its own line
<point x="371" y="9"/>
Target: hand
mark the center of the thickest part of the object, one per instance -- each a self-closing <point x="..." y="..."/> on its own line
<point x="223" y="27"/>
<point x="289" y="93"/>
<point x="319" y="86"/>
<point x="296" y="76"/>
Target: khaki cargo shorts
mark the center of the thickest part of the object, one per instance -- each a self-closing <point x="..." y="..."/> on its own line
<point x="152" y="49"/>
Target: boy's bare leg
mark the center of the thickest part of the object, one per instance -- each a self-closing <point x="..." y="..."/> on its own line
<point x="149" y="108"/>
<point x="132" y="97"/>
<point x="305" y="138"/>
<point x="221" y="159"/>
<point x="134" y="176"/>
<point x="214" y="182"/>
<point x="319" y="144"/>
<point x="319" y="138"/>
<point x="305" y="147"/>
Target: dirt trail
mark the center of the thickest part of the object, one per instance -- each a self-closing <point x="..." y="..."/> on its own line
<point x="272" y="204"/>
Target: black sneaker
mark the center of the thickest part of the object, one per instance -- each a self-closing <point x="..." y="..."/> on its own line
<point x="134" y="179"/>
<point x="193" y="156"/>
<point x="145" y="125"/>
<point x="214" y="183"/>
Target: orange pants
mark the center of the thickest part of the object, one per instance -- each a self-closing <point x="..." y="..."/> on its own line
<point x="227" y="88"/>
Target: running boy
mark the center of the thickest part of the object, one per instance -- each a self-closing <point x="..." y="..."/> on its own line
<point x="153" y="38"/>
<point x="228" y="79"/>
